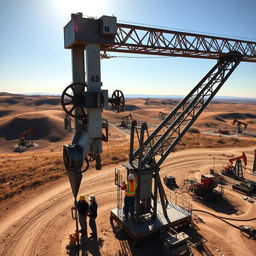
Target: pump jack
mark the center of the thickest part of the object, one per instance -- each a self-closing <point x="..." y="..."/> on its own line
<point x="239" y="125"/>
<point x="126" y="121"/>
<point x="237" y="170"/>
<point x="106" y="35"/>
<point x="162" y="115"/>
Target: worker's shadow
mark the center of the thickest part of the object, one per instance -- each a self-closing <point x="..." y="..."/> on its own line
<point x="91" y="245"/>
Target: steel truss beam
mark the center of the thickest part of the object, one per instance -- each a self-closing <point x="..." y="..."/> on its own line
<point x="165" y="137"/>
<point x="146" y="40"/>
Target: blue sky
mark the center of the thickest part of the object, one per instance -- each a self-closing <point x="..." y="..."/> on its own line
<point x="33" y="58"/>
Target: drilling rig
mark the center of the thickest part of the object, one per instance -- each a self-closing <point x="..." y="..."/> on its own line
<point x="84" y="100"/>
<point x="239" y="125"/>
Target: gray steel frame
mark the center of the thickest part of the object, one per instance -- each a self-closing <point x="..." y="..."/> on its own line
<point x="170" y="131"/>
<point x="154" y="41"/>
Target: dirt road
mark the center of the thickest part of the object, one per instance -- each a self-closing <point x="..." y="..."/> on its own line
<point x="40" y="224"/>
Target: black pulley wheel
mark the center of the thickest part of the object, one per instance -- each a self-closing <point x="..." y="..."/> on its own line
<point x="72" y="100"/>
<point x="117" y="101"/>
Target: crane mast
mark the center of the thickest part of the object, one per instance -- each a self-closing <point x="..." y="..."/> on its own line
<point x="107" y="35"/>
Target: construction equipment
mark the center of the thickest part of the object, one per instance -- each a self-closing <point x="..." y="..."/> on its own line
<point x="246" y="187"/>
<point x="105" y="34"/>
<point x="206" y="188"/>
<point x="250" y="232"/>
<point x="238" y="125"/>
<point x="25" y="141"/>
<point x="170" y="182"/>
<point x="236" y="171"/>
<point x="126" y="121"/>
<point x="176" y="244"/>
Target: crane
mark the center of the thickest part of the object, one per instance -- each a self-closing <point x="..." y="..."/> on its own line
<point x="239" y="125"/>
<point x="86" y="100"/>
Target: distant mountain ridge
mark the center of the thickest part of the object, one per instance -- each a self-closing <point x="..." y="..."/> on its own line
<point x="216" y="98"/>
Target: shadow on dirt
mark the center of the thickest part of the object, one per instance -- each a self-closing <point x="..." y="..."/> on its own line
<point x="91" y="245"/>
<point x="222" y="205"/>
<point x="149" y="246"/>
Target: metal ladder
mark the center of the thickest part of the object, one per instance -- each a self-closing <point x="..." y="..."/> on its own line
<point x="118" y="183"/>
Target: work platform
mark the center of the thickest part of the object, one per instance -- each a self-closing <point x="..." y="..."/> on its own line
<point x="145" y="225"/>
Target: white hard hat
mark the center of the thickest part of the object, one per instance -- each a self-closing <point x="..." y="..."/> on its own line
<point x="130" y="176"/>
<point x="92" y="197"/>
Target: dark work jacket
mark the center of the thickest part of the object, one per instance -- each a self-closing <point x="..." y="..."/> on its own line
<point x="93" y="207"/>
<point x="82" y="207"/>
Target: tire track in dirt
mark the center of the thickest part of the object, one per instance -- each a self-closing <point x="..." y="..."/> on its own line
<point x="31" y="236"/>
<point x="43" y="228"/>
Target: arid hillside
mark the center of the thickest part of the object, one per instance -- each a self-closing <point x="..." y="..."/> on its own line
<point x="34" y="181"/>
<point x="42" y="118"/>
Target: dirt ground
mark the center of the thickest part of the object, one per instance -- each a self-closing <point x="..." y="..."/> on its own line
<point x="37" y="220"/>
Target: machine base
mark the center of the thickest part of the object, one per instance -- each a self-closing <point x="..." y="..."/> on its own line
<point x="138" y="228"/>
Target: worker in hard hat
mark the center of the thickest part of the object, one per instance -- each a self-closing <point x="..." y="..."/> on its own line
<point x="93" y="208"/>
<point x="83" y="209"/>
<point x="130" y="191"/>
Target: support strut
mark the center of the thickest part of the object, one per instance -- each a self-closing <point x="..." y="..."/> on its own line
<point x="153" y="149"/>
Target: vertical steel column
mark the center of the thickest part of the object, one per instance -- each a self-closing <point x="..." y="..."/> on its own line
<point x="155" y="197"/>
<point x="75" y="178"/>
<point x="77" y="55"/>
<point x="93" y="76"/>
<point x="131" y="158"/>
<point x="78" y="64"/>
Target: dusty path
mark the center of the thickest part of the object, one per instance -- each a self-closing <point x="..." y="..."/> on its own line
<point x="41" y="225"/>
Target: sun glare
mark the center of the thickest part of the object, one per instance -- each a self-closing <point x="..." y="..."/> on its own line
<point x="87" y="7"/>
